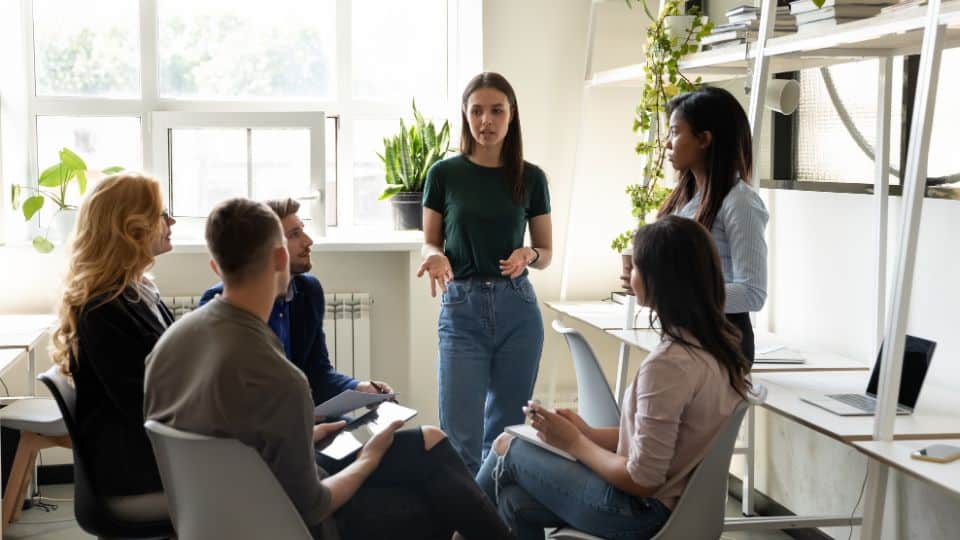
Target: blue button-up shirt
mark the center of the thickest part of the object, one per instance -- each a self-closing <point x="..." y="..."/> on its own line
<point x="279" y="320"/>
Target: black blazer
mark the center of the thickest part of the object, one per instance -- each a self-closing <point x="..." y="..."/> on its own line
<point x="113" y="342"/>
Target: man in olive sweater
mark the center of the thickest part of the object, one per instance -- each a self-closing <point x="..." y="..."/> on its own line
<point x="221" y="371"/>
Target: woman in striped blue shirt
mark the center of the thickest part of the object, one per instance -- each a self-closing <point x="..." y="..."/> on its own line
<point x="711" y="148"/>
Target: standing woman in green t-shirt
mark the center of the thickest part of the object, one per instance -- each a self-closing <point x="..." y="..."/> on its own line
<point x="476" y="207"/>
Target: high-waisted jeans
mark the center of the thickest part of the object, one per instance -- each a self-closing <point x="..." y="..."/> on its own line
<point x="491" y="338"/>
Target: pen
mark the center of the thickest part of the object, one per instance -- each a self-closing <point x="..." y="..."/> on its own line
<point x="381" y="390"/>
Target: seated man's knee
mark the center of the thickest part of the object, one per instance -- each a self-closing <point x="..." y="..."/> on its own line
<point x="502" y="443"/>
<point x="432" y="436"/>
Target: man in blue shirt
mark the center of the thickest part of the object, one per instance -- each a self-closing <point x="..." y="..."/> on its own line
<point x="297" y="316"/>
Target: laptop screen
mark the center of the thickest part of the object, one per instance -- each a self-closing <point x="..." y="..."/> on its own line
<point x="917" y="353"/>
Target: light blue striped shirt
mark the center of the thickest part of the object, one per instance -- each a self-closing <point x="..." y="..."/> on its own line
<point x="738" y="233"/>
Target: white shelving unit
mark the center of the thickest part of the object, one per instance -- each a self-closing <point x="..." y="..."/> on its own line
<point x="923" y="30"/>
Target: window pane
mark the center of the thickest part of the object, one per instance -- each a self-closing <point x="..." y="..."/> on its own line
<point x="207" y="166"/>
<point x="944" y="160"/>
<point x="104" y="141"/>
<point x="225" y="49"/>
<point x="399" y="50"/>
<point x="331" y="180"/>
<point x="368" y="177"/>
<point x="280" y="162"/>
<point x="87" y="48"/>
<point x="826" y="149"/>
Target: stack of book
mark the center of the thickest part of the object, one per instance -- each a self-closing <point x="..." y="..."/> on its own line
<point x="834" y="12"/>
<point x="903" y="5"/>
<point x="743" y="25"/>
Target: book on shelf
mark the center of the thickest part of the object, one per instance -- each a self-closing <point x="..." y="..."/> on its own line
<point x="723" y="44"/>
<point x="902" y="6"/>
<point x="838" y="12"/>
<point x="742" y="8"/>
<point x="804" y="6"/>
<point x="721" y="37"/>
<point x="782" y="12"/>
<point x="754" y="26"/>
<point x="825" y="23"/>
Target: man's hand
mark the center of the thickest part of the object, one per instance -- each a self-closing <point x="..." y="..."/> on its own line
<point x="374" y="387"/>
<point x="378" y="445"/>
<point x="322" y="431"/>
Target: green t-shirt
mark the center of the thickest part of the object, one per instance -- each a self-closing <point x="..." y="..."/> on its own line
<point x="481" y="223"/>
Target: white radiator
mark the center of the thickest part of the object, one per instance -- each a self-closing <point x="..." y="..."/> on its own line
<point x="346" y="324"/>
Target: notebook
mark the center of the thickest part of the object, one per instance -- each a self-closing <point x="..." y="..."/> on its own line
<point x="527" y="433"/>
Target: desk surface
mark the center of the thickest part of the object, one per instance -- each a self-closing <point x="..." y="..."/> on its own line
<point x="24" y="331"/>
<point x="897" y="455"/>
<point x="9" y="357"/>
<point x="934" y="417"/>
<point x="815" y="361"/>
<point x="600" y="314"/>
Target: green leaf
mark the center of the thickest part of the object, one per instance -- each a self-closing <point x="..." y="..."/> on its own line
<point x="82" y="180"/>
<point x="819" y="3"/>
<point x="31" y="206"/>
<point x="15" y="196"/>
<point x="112" y="170"/>
<point x="71" y="160"/>
<point x="42" y="245"/>
<point x="390" y="192"/>
<point x="53" y="176"/>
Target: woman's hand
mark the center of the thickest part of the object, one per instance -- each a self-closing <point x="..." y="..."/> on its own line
<point x="437" y="266"/>
<point x="576" y="420"/>
<point x="518" y="261"/>
<point x="552" y="428"/>
<point x="322" y="431"/>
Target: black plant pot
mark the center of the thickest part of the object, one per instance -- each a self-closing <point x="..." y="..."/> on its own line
<point x="408" y="211"/>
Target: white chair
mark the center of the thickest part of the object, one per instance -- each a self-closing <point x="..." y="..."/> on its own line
<point x="41" y="426"/>
<point x="595" y="401"/>
<point x="700" y="511"/>
<point x="221" y="488"/>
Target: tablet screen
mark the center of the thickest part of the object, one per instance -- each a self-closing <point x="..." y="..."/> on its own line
<point x="364" y="425"/>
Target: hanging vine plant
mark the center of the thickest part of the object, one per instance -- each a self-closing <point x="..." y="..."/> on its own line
<point x="670" y="37"/>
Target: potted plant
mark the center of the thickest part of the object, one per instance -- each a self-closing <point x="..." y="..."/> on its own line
<point x="670" y="37"/>
<point x="407" y="156"/>
<point x="52" y="185"/>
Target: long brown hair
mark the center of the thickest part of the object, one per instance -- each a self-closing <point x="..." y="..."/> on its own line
<point x="729" y="157"/>
<point x="511" y="154"/>
<point x="683" y="284"/>
<point x="113" y="247"/>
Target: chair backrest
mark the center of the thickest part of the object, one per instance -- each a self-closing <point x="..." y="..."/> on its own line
<point x="699" y="512"/>
<point x="93" y="513"/>
<point x="221" y="488"/>
<point x="595" y="401"/>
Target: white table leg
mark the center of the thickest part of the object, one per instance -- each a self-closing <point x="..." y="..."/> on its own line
<point x="749" y="480"/>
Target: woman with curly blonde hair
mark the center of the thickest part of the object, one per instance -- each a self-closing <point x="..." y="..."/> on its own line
<point x="110" y="318"/>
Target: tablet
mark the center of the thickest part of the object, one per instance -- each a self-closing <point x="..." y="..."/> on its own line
<point x="352" y="438"/>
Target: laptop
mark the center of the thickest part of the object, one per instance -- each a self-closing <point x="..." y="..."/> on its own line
<point x="917" y="353"/>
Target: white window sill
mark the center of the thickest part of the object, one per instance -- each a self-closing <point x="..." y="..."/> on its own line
<point x="337" y="240"/>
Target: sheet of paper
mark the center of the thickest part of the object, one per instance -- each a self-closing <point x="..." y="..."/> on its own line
<point x="347" y="401"/>
<point x="527" y="433"/>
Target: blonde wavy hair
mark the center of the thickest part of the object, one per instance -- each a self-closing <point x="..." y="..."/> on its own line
<point x="113" y="247"/>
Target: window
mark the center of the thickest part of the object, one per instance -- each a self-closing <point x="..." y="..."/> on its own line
<point x="220" y="99"/>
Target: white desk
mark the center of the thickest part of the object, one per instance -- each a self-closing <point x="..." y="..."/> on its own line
<point x="25" y="332"/>
<point x="932" y="419"/>
<point x="896" y="454"/>
<point x="9" y="358"/>
<point x="602" y="315"/>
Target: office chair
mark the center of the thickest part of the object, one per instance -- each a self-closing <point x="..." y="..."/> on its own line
<point x="595" y="401"/>
<point x="699" y="513"/>
<point x="221" y="488"/>
<point x="131" y="516"/>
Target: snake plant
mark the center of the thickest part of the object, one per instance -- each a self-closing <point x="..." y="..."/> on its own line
<point x="408" y="155"/>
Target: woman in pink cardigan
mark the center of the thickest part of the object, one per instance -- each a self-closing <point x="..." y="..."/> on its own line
<point x="627" y="479"/>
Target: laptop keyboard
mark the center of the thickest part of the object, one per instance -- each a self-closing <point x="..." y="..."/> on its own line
<point x="860" y="401"/>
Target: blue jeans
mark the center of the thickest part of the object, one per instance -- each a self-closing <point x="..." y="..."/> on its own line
<point x="491" y="337"/>
<point x="534" y="489"/>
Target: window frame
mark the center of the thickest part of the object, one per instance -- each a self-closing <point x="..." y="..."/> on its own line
<point x="314" y="121"/>
<point x="343" y="106"/>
